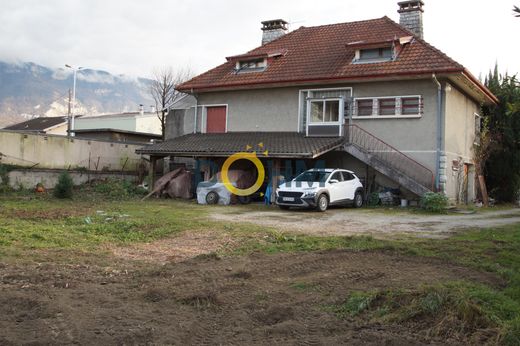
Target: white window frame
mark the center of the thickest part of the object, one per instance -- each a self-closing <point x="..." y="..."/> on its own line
<point x="398" y="108"/>
<point x="300" y="99"/>
<point x="341" y="115"/>
<point x="358" y="60"/>
<point x="204" y="126"/>
<point x="260" y="67"/>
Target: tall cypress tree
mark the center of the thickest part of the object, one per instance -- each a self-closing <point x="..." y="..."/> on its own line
<point x="503" y="123"/>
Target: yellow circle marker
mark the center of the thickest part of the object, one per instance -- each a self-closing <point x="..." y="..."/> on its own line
<point x="243" y="156"/>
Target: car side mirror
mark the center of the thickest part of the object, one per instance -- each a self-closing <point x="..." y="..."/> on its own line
<point x="333" y="181"/>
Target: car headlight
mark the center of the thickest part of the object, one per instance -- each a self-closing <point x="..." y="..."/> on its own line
<point x="309" y="194"/>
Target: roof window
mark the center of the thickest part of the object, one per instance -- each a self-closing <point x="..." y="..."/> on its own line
<point x="255" y="65"/>
<point x="369" y="55"/>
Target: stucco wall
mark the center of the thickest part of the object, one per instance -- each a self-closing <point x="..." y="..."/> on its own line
<point x="459" y="124"/>
<point x="415" y="137"/>
<point x="459" y="133"/>
<point x="58" y="152"/>
<point x="28" y="178"/>
<point x="179" y="122"/>
<point x="277" y="110"/>
<point x="258" y="110"/>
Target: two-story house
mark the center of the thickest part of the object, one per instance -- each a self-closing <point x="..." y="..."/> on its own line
<point x="371" y="96"/>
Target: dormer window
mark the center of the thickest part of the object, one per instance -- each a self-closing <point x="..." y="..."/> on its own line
<point x="255" y="65"/>
<point x="374" y="55"/>
<point x="381" y="51"/>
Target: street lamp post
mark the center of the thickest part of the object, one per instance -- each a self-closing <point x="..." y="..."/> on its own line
<point x="71" y="120"/>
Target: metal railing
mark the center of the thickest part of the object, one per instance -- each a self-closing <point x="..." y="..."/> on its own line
<point x="389" y="155"/>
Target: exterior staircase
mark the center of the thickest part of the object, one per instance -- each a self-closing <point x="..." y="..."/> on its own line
<point x="388" y="161"/>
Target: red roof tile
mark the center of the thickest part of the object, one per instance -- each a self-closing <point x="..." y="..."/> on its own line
<point x="323" y="53"/>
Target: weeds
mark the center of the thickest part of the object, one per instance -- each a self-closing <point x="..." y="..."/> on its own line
<point x="434" y="202"/>
<point x="454" y="308"/>
<point x="118" y="189"/>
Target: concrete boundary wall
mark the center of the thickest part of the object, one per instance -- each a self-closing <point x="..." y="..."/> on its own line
<point x="28" y="178"/>
<point x="61" y="152"/>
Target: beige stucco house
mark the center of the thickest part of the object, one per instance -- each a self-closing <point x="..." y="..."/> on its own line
<point x="371" y="96"/>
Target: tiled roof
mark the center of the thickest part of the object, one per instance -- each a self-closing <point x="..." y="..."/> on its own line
<point x="323" y="53"/>
<point x="37" y="124"/>
<point x="277" y="144"/>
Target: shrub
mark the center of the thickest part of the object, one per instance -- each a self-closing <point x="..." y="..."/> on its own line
<point x="63" y="188"/>
<point x="118" y="189"/>
<point x="4" y="179"/>
<point x="434" y="202"/>
<point x="373" y="199"/>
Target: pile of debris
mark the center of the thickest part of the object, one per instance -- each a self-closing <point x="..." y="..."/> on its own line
<point x="175" y="184"/>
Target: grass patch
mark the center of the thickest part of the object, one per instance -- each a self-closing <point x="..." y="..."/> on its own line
<point x="60" y="224"/>
<point x="453" y="309"/>
<point x="86" y="225"/>
<point x="270" y="241"/>
<point x="305" y="286"/>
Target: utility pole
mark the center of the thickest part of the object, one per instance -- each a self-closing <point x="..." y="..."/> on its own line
<point x="75" y="70"/>
<point x="69" y="115"/>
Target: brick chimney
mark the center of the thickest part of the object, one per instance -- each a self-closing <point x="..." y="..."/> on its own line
<point x="273" y="29"/>
<point x="411" y="16"/>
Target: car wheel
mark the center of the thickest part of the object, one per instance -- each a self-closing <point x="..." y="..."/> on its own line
<point x="358" y="200"/>
<point x="323" y="203"/>
<point x="212" y="197"/>
<point x="283" y="207"/>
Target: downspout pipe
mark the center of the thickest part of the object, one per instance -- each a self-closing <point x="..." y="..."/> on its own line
<point x="440" y="133"/>
<point x="195" y="112"/>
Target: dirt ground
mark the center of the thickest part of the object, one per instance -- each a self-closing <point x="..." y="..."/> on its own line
<point x="375" y="222"/>
<point x="256" y="299"/>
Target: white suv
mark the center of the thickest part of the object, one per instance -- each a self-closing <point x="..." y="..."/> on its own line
<point x="320" y="187"/>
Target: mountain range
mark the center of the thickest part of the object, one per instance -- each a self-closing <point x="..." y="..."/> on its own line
<point x="29" y="90"/>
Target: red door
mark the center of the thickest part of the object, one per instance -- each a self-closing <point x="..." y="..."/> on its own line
<point x="216" y="119"/>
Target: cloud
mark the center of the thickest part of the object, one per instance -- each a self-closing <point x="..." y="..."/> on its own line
<point x="133" y="37"/>
<point x="95" y="77"/>
<point x="61" y="74"/>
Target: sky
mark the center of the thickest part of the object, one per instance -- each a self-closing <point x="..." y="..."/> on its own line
<point x="134" y="37"/>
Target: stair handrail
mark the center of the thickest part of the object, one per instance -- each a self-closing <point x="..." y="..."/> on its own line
<point x="425" y="178"/>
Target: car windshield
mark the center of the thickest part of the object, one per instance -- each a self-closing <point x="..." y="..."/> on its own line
<point x="313" y="176"/>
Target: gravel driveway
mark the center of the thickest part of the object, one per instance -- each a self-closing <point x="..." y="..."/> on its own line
<point x="379" y="223"/>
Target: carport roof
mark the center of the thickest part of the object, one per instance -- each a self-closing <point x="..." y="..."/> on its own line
<point x="277" y="145"/>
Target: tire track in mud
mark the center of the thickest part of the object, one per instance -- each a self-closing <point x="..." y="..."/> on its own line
<point x="257" y="299"/>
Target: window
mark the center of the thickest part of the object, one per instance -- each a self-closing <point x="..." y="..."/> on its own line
<point x="324" y="111"/>
<point x="251" y="65"/>
<point x="364" y="107"/>
<point x="347" y="176"/>
<point x="387" y="106"/>
<point x="410" y="105"/>
<point x="337" y="176"/>
<point x="374" y="55"/>
<point x="393" y="106"/>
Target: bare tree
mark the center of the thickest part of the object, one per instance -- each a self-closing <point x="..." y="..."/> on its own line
<point x="164" y="90"/>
